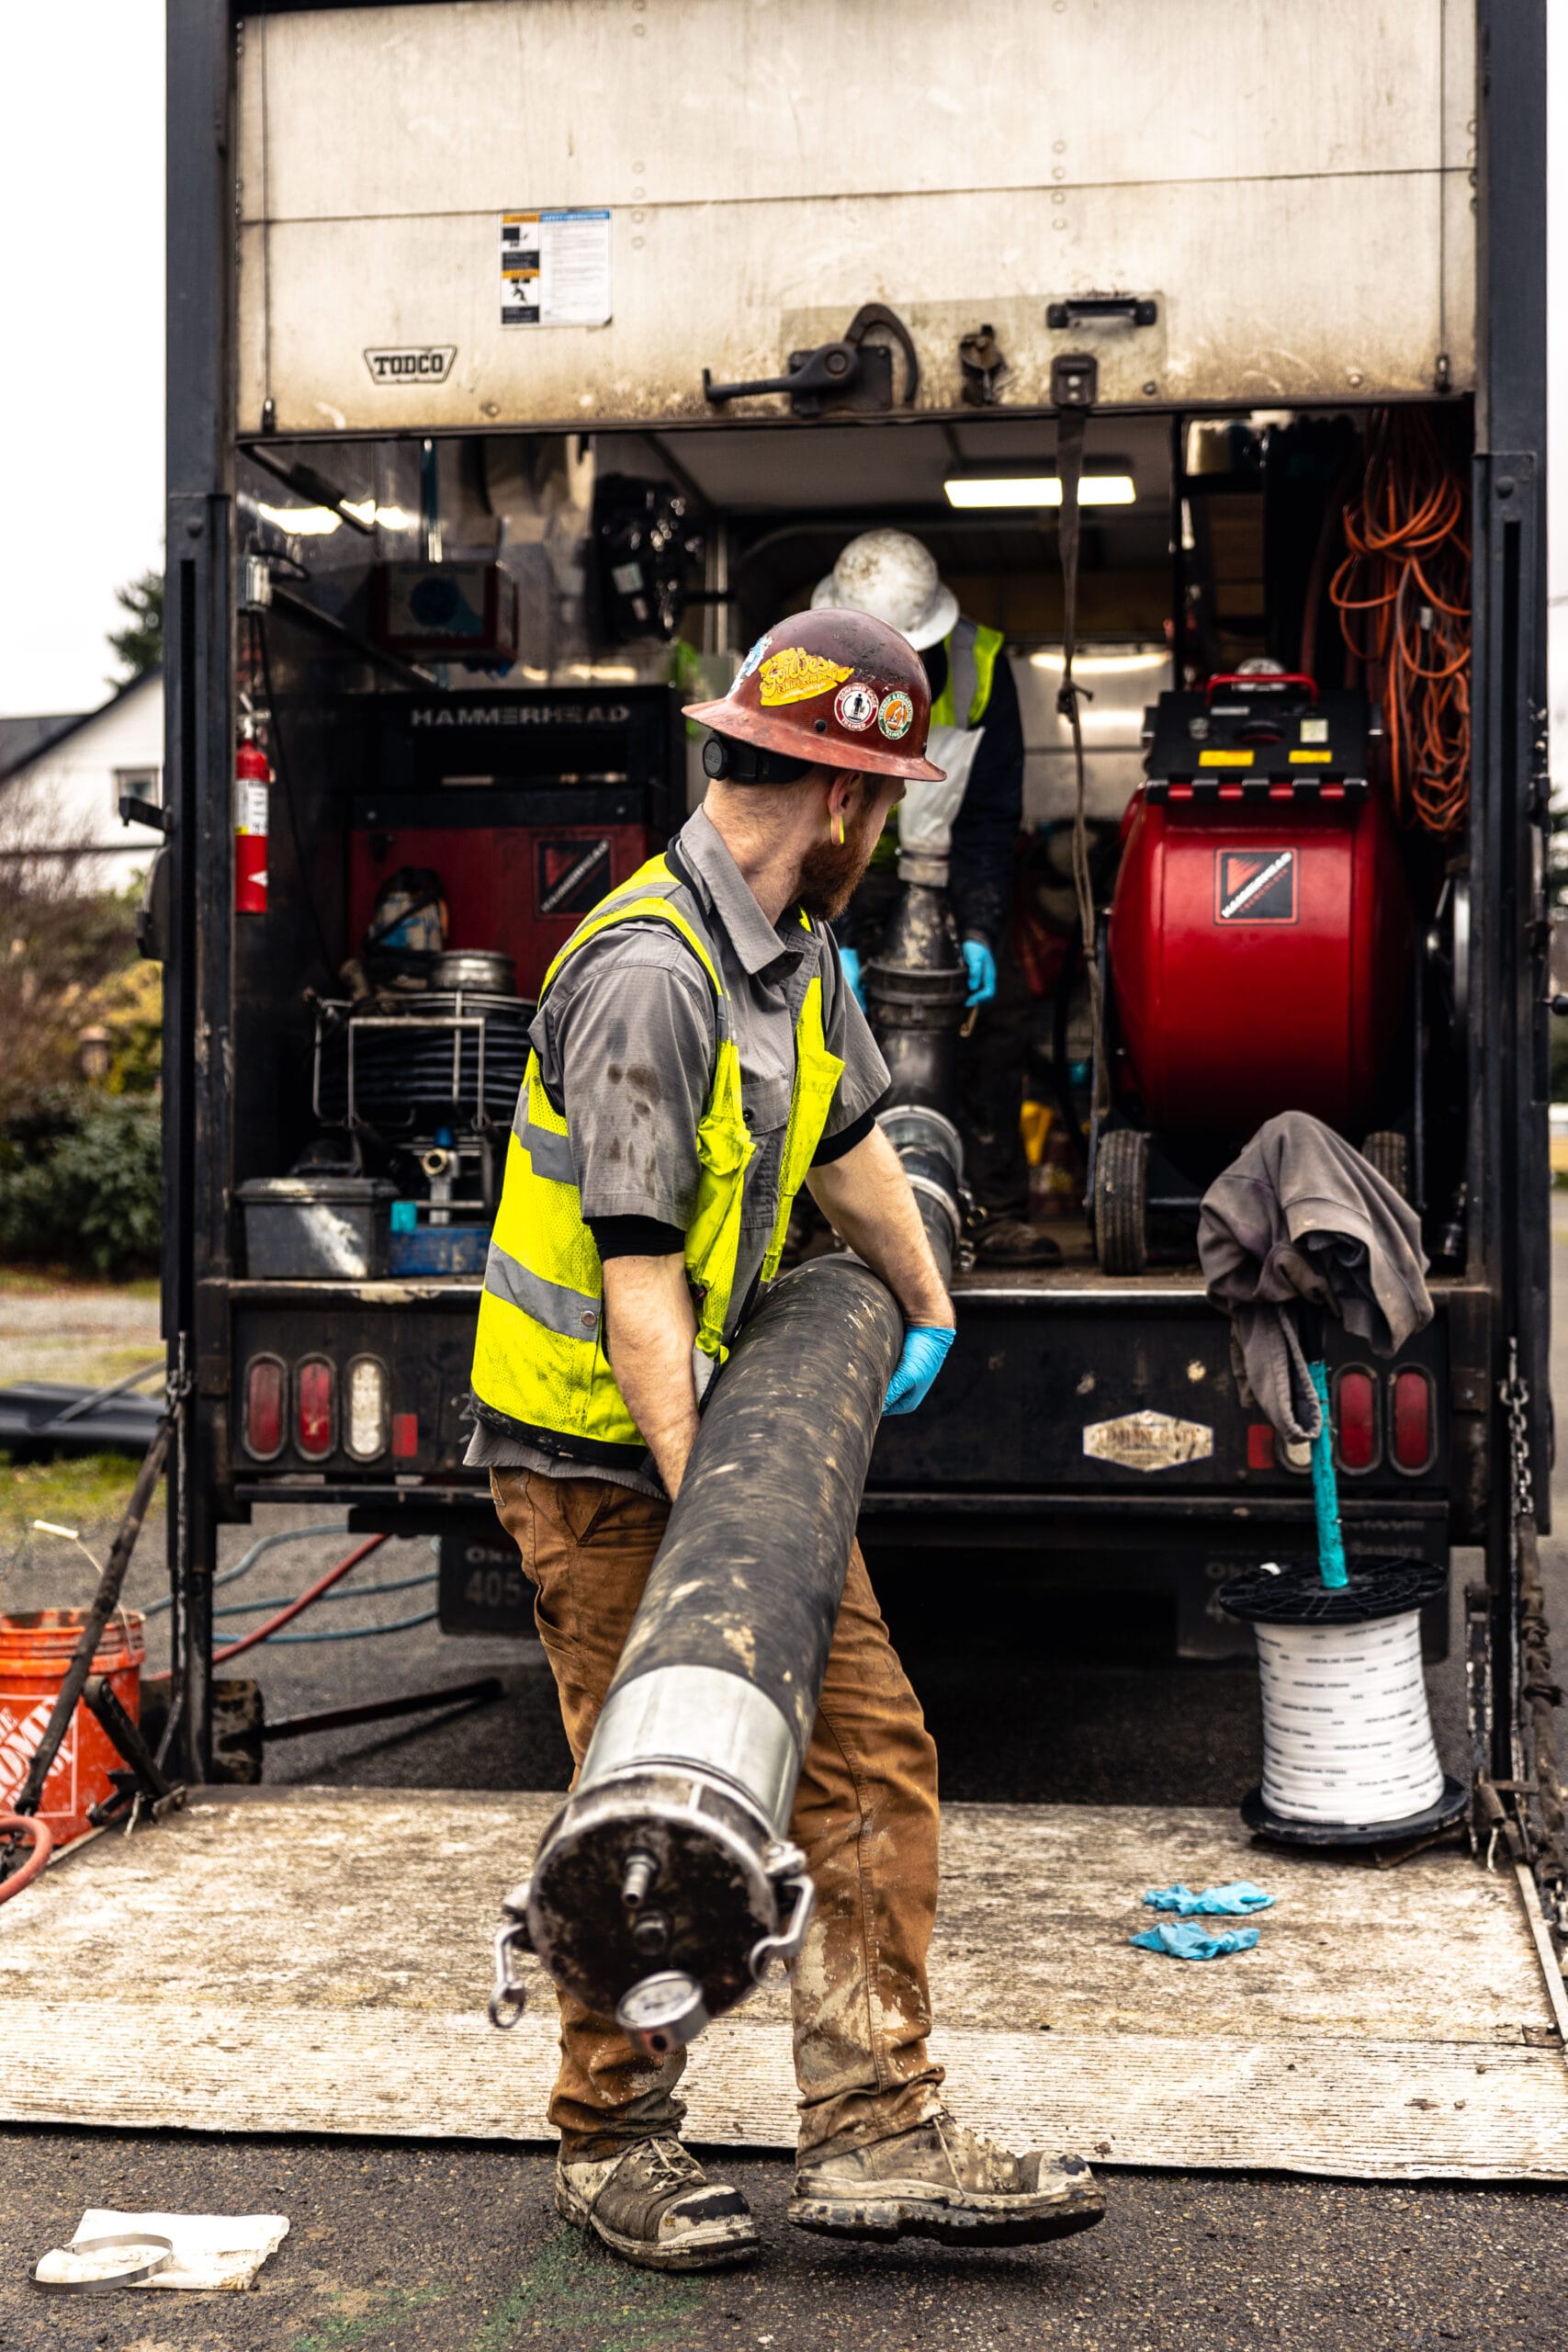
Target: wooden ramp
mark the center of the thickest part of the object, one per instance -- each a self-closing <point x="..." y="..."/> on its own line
<point x="318" y="1960"/>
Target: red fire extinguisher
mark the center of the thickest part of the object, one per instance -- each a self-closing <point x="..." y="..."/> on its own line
<point x="252" y="777"/>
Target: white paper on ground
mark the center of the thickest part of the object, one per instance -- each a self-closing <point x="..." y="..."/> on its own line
<point x="210" y="2249"/>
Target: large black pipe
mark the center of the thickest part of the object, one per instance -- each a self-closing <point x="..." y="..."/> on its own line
<point x="665" y="1886"/>
<point x="915" y="986"/>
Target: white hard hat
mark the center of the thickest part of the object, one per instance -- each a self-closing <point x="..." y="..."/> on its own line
<point x="893" y="578"/>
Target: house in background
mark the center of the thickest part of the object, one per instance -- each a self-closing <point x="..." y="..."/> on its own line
<point x="61" y="780"/>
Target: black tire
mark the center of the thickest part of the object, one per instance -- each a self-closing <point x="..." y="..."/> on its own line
<point x="1122" y="1202"/>
<point x="1389" y="1152"/>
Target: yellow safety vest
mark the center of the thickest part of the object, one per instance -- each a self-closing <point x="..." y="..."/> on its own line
<point x="972" y="651"/>
<point x="540" y="1361"/>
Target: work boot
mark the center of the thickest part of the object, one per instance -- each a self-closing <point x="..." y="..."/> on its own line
<point x="655" y="2206"/>
<point x="939" y="2181"/>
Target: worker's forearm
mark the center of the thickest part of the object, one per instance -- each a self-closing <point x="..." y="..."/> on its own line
<point x="650" y="1330"/>
<point x="867" y="1199"/>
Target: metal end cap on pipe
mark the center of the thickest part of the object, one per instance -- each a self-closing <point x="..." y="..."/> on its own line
<point x="662" y="2012"/>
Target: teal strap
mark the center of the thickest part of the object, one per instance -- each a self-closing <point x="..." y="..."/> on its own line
<point x="1324" y="1492"/>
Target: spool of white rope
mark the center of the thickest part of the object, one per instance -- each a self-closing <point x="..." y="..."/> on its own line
<point x="1346" y="1732"/>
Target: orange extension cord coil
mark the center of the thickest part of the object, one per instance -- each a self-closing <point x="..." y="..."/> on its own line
<point x="1402" y="595"/>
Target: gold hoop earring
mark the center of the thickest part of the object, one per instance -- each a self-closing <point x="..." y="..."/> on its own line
<point x="839" y="831"/>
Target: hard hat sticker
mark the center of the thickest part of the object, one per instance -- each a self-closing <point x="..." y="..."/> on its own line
<point x="896" y="714"/>
<point x="753" y="663"/>
<point x="1255" y="885"/>
<point x="795" y="675"/>
<point x="854" y="706"/>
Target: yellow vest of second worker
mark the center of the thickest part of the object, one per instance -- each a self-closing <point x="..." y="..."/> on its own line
<point x="972" y="651"/>
<point x="540" y="1361"/>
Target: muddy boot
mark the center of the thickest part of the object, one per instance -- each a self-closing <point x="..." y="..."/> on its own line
<point x="655" y="2206"/>
<point x="939" y="2181"/>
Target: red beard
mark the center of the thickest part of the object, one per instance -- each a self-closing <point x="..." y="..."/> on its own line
<point x="830" y="872"/>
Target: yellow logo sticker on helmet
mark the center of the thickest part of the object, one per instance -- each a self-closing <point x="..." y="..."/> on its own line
<point x="796" y="675"/>
<point x="896" y="714"/>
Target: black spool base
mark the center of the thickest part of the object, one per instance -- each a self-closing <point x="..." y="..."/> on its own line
<point x="1449" y="1807"/>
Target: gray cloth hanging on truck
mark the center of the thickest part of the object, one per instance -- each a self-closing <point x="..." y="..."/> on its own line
<point x="1298" y="1215"/>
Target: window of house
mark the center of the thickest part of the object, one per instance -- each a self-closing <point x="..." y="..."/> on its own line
<point x="140" y="783"/>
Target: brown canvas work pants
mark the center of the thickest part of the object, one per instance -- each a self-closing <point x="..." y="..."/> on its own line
<point x="865" y="1815"/>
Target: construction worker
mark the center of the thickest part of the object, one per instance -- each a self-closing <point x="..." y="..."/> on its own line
<point x="696" y="1057"/>
<point x="976" y="729"/>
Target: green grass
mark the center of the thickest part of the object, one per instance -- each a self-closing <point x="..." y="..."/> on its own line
<point x="77" y="1490"/>
<point x="570" y="2288"/>
<point x="36" y="1282"/>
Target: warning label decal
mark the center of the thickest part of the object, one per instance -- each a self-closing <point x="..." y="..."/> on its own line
<point x="555" y="268"/>
<point x="569" y="877"/>
<point x="1256" y="884"/>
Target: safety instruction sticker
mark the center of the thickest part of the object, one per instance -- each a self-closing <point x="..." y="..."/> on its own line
<point x="1148" y="1441"/>
<point x="555" y="269"/>
<point x="1256" y="884"/>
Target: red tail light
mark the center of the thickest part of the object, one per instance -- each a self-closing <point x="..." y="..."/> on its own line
<point x="405" y="1436"/>
<point x="265" y="1401"/>
<point x="1356" y="1419"/>
<point x="1413" y="1438"/>
<point x="1259" y="1446"/>
<point x="315" y="1400"/>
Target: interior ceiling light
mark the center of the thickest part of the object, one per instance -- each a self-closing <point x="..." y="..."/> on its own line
<point x="1103" y="665"/>
<point x="319" y="522"/>
<point x="1037" y="490"/>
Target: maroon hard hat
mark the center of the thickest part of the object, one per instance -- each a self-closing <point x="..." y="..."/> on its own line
<point x="831" y="687"/>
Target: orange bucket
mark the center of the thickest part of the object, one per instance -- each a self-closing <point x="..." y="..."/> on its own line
<point x="35" y="1650"/>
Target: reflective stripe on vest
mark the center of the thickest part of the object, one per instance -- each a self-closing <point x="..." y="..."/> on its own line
<point x="972" y="652"/>
<point x="540" y="1366"/>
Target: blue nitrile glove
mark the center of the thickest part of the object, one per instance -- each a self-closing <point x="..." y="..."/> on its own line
<point x="1185" y="1940"/>
<point x="925" y="1349"/>
<point x="981" y="966"/>
<point x="849" y="962"/>
<point x="1239" y="1896"/>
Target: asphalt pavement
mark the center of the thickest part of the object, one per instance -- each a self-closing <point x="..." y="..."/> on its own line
<point x="396" y="2245"/>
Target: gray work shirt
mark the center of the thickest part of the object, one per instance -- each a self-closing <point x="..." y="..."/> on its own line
<point x="626" y="1039"/>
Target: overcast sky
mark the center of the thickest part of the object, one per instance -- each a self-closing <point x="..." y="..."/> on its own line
<point x="81" y="318"/>
<point x="81" y="302"/>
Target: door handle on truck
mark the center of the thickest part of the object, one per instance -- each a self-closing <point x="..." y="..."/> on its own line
<point x="851" y="371"/>
<point x="1098" y="309"/>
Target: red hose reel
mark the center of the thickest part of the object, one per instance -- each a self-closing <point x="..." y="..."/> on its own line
<point x="1259" y="940"/>
<point x="1259" y="936"/>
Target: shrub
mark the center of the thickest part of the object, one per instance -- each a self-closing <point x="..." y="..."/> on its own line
<point x="81" y="1184"/>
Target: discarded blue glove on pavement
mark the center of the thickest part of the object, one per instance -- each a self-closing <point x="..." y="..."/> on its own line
<point x="1238" y="1897"/>
<point x="925" y="1352"/>
<point x="849" y="963"/>
<point x="1185" y="1940"/>
<point x="980" y="965"/>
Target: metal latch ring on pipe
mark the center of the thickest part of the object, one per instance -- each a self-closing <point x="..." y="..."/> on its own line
<point x="510" y="1997"/>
